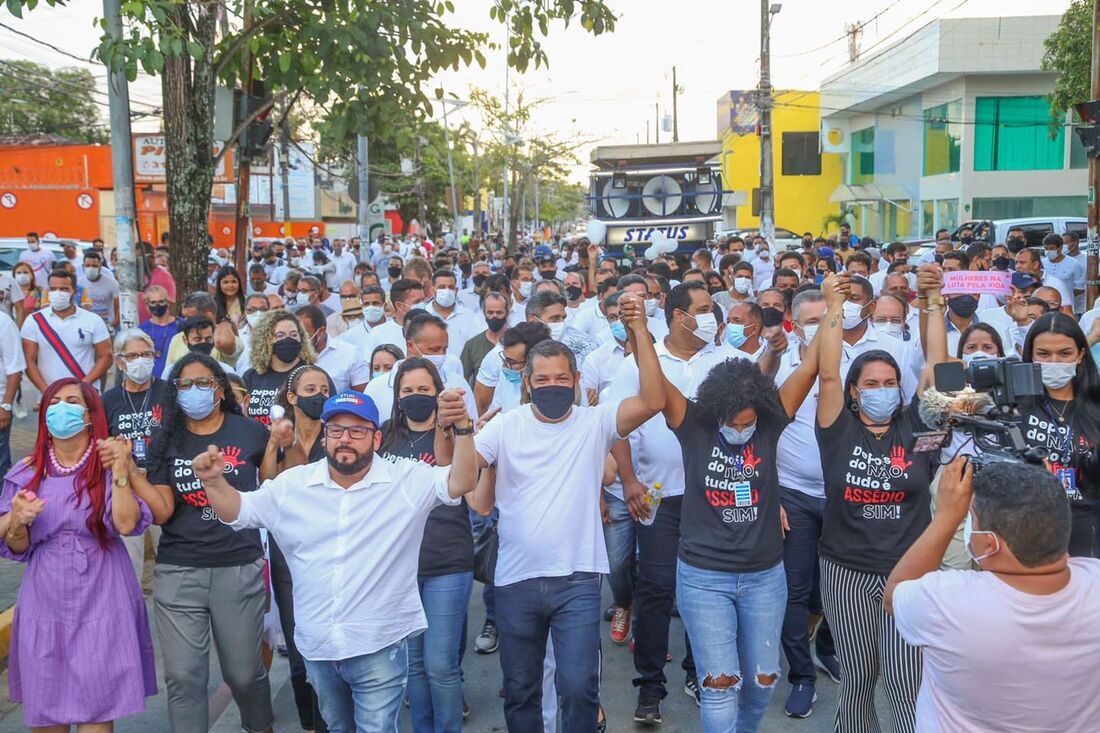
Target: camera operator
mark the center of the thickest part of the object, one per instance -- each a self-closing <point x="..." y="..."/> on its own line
<point x="1000" y="646"/>
<point x="1067" y="421"/>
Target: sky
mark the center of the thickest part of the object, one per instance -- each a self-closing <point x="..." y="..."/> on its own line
<point x="603" y="90"/>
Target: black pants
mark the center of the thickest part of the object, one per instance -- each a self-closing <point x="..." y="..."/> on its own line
<point x="1084" y="540"/>
<point x="658" y="547"/>
<point x="805" y="514"/>
<point x="305" y="699"/>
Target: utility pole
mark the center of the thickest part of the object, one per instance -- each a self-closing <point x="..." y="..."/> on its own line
<point x="675" y="116"/>
<point x="538" y="221"/>
<point x="244" y="164"/>
<point x="764" y="108"/>
<point x="1093" y="275"/>
<point x="122" y="169"/>
<point x="657" y="122"/>
<point x="507" y="137"/>
<point x="477" y="192"/>
<point x="421" y="204"/>
<point x="284" y="174"/>
<point x="364" y="198"/>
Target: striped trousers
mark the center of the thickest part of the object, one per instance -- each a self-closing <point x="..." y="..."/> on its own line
<point x="868" y="645"/>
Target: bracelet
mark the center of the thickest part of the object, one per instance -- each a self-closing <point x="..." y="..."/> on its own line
<point x="933" y="309"/>
<point x="17" y="536"/>
<point x="469" y="430"/>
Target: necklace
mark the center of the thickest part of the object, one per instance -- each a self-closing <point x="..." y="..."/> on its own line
<point x="140" y="417"/>
<point x="1060" y="414"/>
<point x="58" y="470"/>
<point x="414" y="441"/>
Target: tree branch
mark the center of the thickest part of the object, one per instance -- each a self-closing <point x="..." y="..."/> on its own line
<point x="238" y="43"/>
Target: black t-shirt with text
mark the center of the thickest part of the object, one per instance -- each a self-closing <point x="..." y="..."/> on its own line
<point x="194" y="536"/>
<point x="1073" y="459"/>
<point x="136" y="415"/>
<point x="262" y="391"/>
<point x="730" y="511"/>
<point x="877" y="500"/>
<point x="448" y="545"/>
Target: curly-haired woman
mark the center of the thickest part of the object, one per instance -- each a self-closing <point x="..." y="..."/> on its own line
<point x="731" y="588"/>
<point x="279" y="344"/>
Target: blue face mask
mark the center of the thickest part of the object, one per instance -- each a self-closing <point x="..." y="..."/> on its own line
<point x="514" y="376"/>
<point x="879" y="404"/>
<point x="733" y="436"/>
<point x="64" y="419"/>
<point x="553" y="401"/>
<point x="618" y="331"/>
<point x="735" y="335"/>
<point x="196" y="403"/>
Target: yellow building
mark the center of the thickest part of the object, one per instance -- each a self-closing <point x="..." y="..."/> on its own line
<point x="804" y="177"/>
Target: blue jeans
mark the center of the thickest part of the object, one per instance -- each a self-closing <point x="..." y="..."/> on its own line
<point x="735" y="619"/>
<point x="5" y="451"/>
<point x="362" y="694"/>
<point x="478" y="523"/>
<point x="529" y="609"/>
<point x="435" y="677"/>
<point x="622" y="547"/>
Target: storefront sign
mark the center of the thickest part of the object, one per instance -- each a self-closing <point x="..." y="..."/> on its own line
<point x="618" y="236"/>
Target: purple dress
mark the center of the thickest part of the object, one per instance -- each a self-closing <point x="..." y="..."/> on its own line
<point x="81" y="650"/>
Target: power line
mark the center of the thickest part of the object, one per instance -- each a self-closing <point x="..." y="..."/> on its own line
<point x="822" y="47"/>
<point x="50" y="46"/>
<point x="15" y="71"/>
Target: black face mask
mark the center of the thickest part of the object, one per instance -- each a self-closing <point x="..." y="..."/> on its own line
<point x="394" y="272"/>
<point x="963" y="306"/>
<point x="479" y="280"/>
<point x="465" y="269"/>
<point x="509" y="272"/>
<point x="548" y="274"/>
<point x="312" y="406"/>
<point x="495" y="324"/>
<point x="418" y="407"/>
<point x="287" y="350"/>
<point x="553" y="401"/>
<point x="159" y="310"/>
<point x="966" y="240"/>
<point x="573" y="292"/>
<point x="1001" y="263"/>
<point x="205" y="348"/>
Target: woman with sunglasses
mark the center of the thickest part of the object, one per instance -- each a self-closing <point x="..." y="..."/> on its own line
<point x="279" y="344"/>
<point x="209" y="579"/>
<point x="81" y="652"/>
<point x="446" y="554"/>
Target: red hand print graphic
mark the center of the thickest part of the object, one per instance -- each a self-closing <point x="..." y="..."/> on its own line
<point x="897" y="458"/>
<point x="749" y="459"/>
<point x="157" y="414"/>
<point x="232" y="457"/>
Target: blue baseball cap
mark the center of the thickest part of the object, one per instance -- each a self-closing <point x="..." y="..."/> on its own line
<point x="543" y="251"/>
<point x="351" y="402"/>
<point x="1023" y="280"/>
<point x="826" y="252"/>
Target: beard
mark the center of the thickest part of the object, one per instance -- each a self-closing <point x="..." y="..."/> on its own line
<point x="349" y="468"/>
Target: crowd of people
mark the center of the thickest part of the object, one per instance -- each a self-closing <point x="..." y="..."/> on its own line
<point x="334" y="448"/>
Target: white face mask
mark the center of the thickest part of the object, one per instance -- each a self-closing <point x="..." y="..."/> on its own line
<point x="525" y="289"/>
<point x="445" y="297"/>
<point x="651" y="305"/>
<point x="34" y="246"/>
<point x="808" y="333"/>
<point x="92" y="273"/>
<point x="255" y="318"/>
<point x="23" y="278"/>
<point x="437" y="361"/>
<point x="1055" y="375"/>
<point x="764" y="254"/>
<point x="974" y="356"/>
<point x="742" y="284"/>
<point x="373" y="313"/>
<point x="853" y="315"/>
<point x="890" y="329"/>
<point x="556" y="330"/>
<point x="139" y="370"/>
<point x="60" y="300"/>
<point x="706" y="327"/>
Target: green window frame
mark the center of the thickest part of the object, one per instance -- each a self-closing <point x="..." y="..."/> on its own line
<point x="1013" y="134"/>
<point x="943" y="138"/>
<point x="863" y="156"/>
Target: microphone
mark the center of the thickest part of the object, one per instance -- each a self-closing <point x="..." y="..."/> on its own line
<point x="937" y="408"/>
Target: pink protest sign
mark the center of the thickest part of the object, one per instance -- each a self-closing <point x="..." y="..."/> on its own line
<point x="977" y="283"/>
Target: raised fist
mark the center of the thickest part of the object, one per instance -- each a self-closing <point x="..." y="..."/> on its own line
<point x="209" y="465"/>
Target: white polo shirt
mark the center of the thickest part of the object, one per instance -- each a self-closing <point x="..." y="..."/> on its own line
<point x="655" y="449"/>
<point x="343" y="364"/>
<point x="353" y="552"/>
<point x="600" y="366"/>
<point x="80" y="331"/>
<point x="12" y="359"/>
<point x="462" y="323"/>
<point x="380" y="389"/>
<point x="389" y="332"/>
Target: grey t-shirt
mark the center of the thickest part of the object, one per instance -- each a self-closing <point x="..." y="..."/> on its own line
<point x="102" y="293"/>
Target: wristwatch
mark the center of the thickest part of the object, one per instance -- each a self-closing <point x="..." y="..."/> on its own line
<point x="121" y="481"/>
<point x="468" y="430"/>
<point x="6" y="406"/>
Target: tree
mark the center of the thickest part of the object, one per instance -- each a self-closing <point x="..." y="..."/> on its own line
<point x="1069" y="53"/>
<point x="41" y="100"/>
<point x="366" y="63"/>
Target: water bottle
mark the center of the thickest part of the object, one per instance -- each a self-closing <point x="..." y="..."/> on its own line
<point x="653" y="501"/>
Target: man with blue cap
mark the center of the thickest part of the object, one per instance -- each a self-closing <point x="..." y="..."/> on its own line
<point x="351" y="529"/>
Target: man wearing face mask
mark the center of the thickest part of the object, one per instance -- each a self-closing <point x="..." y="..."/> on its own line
<point x="1029" y="260"/>
<point x="763" y="267"/>
<point x="1066" y="269"/>
<point x="523" y="285"/>
<point x="1024" y="624"/>
<point x="337" y="358"/>
<point x="548" y="307"/>
<point x="255" y="308"/>
<point x="894" y="252"/>
<point x="198" y="335"/>
<point x="101" y="289"/>
<point x="461" y="322"/>
<point x="686" y="355"/>
<point x="405" y="295"/>
<point x="350" y="314"/>
<point x="426" y="337"/>
<point x="373" y="315"/>
<point x="40" y="260"/>
<point x="859" y="337"/>
<point x="393" y="272"/>
<point x="257" y="281"/>
<point x="161" y="326"/>
<point x="65" y="340"/>
<point x="742" y="338"/>
<point x="574" y="295"/>
<point x="741" y="287"/>
<point x="476" y="286"/>
<point x="494" y="308"/>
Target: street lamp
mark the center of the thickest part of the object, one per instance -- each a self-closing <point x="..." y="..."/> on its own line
<point x="457" y="104"/>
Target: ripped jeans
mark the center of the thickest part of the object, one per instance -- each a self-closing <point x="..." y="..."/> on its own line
<point x="734" y="622"/>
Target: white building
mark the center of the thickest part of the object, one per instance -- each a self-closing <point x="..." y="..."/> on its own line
<point x="949" y="125"/>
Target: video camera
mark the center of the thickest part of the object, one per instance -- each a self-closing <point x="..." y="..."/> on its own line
<point x="989" y="412"/>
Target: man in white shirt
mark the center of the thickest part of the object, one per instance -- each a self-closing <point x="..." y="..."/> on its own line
<point x="552" y="549"/>
<point x="339" y="359"/>
<point x="1073" y="251"/>
<point x="1028" y="260"/>
<point x="40" y="260"/>
<point x="73" y="256"/>
<point x="355" y="580"/>
<point x="462" y="323"/>
<point x="743" y="335"/>
<point x="258" y="283"/>
<point x="344" y="262"/>
<point x="12" y="364"/>
<point x="894" y="252"/>
<point x="999" y="645"/>
<point x="373" y="302"/>
<point x="1067" y="269"/>
<point x="63" y="340"/>
<point x="405" y="296"/>
<point x="475" y="286"/>
<point x="100" y="289"/>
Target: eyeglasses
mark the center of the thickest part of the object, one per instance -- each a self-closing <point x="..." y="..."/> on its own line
<point x="200" y="382"/>
<point x="511" y="363"/>
<point x="355" y="432"/>
<point x="130" y="356"/>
